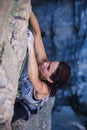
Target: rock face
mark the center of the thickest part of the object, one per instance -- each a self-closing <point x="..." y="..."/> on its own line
<point x="14" y="15"/>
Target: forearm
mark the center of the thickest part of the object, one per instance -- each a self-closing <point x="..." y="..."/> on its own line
<point x="33" y="71"/>
<point x="32" y="64"/>
<point x="40" y="50"/>
<point x="39" y="47"/>
<point x="34" y="23"/>
<point x="39" y="86"/>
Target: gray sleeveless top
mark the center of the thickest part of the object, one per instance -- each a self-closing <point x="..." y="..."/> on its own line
<point x="26" y="94"/>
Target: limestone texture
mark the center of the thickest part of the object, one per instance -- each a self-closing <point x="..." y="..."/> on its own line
<point x="14" y="15"/>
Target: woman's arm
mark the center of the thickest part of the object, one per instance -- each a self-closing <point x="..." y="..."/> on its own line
<point x="39" y="47"/>
<point x="39" y="86"/>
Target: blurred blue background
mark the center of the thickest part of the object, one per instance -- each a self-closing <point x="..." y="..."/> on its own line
<point x="63" y="25"/>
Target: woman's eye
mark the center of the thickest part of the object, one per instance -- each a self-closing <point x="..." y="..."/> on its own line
<point x="48" y="67"/>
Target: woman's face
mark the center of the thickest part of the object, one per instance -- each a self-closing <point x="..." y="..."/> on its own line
<point x="46" y="69"/>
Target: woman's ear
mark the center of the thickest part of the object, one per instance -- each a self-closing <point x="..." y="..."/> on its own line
<point x="50" y="80"/>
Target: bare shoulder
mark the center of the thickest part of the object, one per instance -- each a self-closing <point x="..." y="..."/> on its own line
<point x="42" y="91"/>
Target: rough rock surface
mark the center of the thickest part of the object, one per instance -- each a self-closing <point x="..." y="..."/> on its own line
<point x="14" y="17"/>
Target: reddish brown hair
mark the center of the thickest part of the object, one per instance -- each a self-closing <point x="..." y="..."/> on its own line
<point x="59" y="77"/>
<point x="62" y="73"/>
